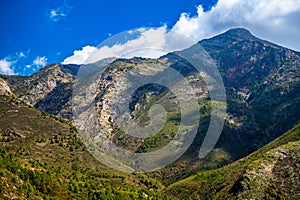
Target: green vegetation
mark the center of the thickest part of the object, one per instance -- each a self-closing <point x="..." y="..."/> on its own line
<point x="272" y="172"/>
<point x="42" y="157"/>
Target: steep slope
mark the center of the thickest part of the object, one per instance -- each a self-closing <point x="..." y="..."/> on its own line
<point x="49" y="90"/>
<point x="265" y="75"/>
<point x="272" y="172"/>
<point x="262" y="81"/>
<point x="262" y="86"/>
<point x="263" y="99"/>
<point x="42" y="157"/>
<point x="4" y="88"/>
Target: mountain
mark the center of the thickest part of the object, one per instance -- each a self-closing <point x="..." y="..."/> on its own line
<point x="42" y="157"/>
<point x="49" y="89"/>
<point x="262" y="87"/>
<point x="262" y="83"/>
<point x="264" y="74"/>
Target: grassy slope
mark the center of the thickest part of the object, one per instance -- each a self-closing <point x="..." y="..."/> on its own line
<point x="271" y="172"/>
<point x="41" y="157"/>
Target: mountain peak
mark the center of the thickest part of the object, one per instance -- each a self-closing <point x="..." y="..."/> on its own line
<point x="241" y="32"/>
<point x="236" y="34"/>
<point x="229" y="37"/>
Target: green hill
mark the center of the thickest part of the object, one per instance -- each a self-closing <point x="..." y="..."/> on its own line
<point x="272" y="172"/>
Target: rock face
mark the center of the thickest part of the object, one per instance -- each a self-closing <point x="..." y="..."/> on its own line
<point x="42" y="157"/>
<point x="50" y="89"/>
<point x="4" y="88"/>
<point x="264" y="79"/>
<point x="262" y="83"/>
<point x="264" y="75"/>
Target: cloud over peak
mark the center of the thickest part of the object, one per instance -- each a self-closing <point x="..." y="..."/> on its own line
<point x="273" y="20"/>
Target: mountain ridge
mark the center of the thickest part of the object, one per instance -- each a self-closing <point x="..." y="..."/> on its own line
<point x="261" y="81"/>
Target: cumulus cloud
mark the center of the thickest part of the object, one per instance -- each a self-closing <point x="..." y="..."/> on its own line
<point x="273" y="20"/>
<point x="80" y="56"/>
<point x="40" y="61"/>
<point x="5" y="67"/>
<point x="151" y="43"/>
<point x="60" y="12"/>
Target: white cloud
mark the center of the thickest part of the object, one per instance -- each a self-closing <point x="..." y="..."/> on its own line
<point x="273" y="20"/>
<point x="13" y="63"/>
<point x="79" y="56"/>
<point x="144" y="45"/>
<point x="152" y="43"/>
<point x="60" y="12"/>
<point x="5" y="67"/>
<point x="27" y="66"/>
<point x="40" y="61"/>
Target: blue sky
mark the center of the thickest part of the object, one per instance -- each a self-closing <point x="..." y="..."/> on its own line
<point x="35" y="32"/>
<point x="51" y="30"/>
